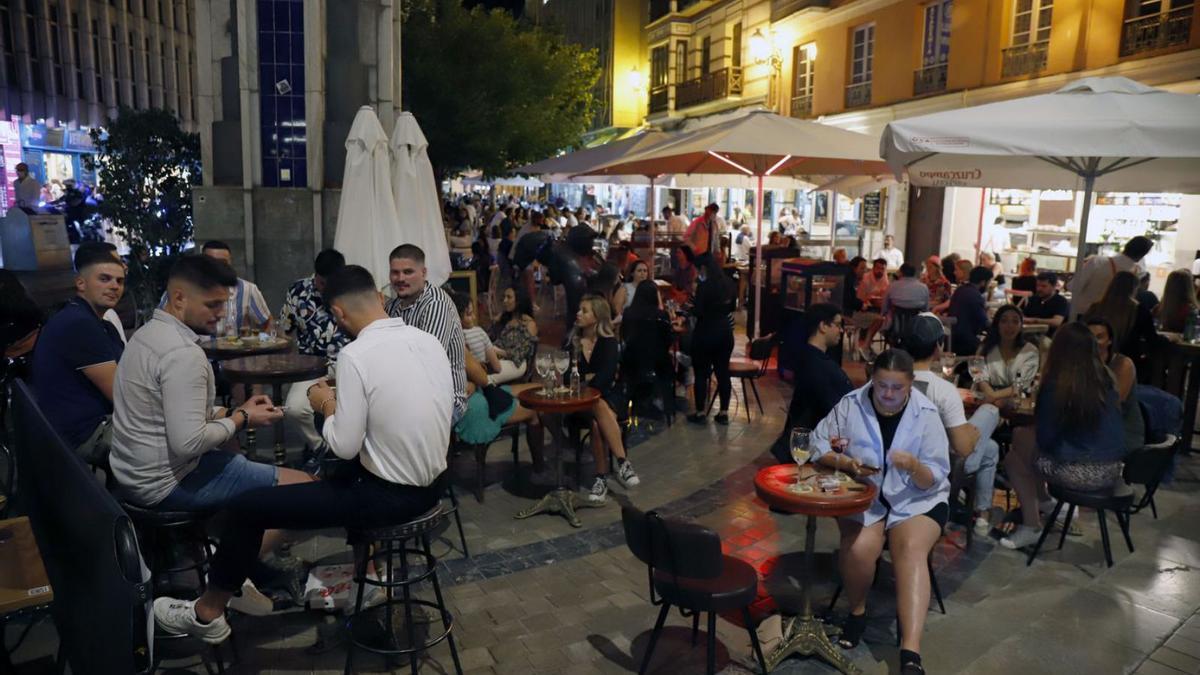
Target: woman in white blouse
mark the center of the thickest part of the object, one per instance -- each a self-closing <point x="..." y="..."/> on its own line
<point x="1012" y="361"/>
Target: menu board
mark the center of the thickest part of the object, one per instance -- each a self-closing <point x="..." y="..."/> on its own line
<point x="872" y="204"/>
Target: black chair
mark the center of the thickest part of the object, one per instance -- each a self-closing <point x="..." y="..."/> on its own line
<point x="480" y="451"/>
<point x="453" y="510"/>
<point x="749" y="370"/>
<point x="394" y="545"/>
<point x="687" y="569"/>
<point x="102" y="600"/>
<point x="1119" y="505"/>
<point x="901" y="317"/>
<point x="1147" y="468"/>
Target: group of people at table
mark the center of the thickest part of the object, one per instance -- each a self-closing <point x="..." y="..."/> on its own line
<point x="415" y="366"/>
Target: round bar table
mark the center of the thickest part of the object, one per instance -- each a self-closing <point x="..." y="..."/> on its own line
<point x="560" y="500"/>
<point x="275" y="370"/>
<point x="805" y="634"/>
<point x="219" y="350"/>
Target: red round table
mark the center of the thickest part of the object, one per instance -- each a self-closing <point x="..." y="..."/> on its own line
<point x="805" y="634"/>
<point x="560" y="500"/>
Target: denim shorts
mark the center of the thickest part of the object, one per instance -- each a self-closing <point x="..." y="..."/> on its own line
<point x="218" y="477"/>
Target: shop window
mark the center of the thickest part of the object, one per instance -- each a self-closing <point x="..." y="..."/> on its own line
<point x="935" y="50"/>
<point x="282" y="128"/>
<point x="1031" y="21"/>
<point x="862" y="54"/>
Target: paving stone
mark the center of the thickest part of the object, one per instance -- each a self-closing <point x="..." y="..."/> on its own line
<point x="1177" y="660"/>
<point x="1155" y="668"/>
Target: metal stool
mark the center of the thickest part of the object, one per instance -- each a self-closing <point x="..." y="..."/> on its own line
<point x="393" y="543"/>
<point x="167" y="536"/>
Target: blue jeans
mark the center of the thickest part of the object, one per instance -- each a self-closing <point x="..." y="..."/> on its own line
<point x="986" y="456"/>
<point x="218" y="478"/>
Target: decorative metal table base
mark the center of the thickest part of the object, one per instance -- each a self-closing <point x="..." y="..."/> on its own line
<point x="559" y="501"/>
<point x="806" y="636"/>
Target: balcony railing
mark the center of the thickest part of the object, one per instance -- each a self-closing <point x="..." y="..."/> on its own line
<point x="929" y="80"/>
<point x="802" y="106"/>
<point x="1159" y="31"/>
<point x="659" y="99"/>
<point x="1025" y="59"/>
<point x="712" y="86"/>
<point x="858" y="95"/>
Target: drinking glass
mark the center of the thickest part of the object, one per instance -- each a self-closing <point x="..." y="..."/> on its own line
<point x="544" y="364"/>
<point x="562" y="362"/>
<point x="948" y="364"/>
<point x="800" y="450"/>
<point x="977" y="367"/>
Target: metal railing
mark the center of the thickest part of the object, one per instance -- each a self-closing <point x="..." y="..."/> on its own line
<point x="1158" y="31"/>
<point x="929" y="80"/>
<point x="1025" y="59"/>
<point x="660" y="99"/>
<point x="801" y="106"/>
<point x="858" y="95"/>
<point x="708" y="87"/>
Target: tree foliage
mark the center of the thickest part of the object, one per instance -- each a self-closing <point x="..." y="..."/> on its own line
<point x="147" y="165"/>
<point x="490" y="93"/>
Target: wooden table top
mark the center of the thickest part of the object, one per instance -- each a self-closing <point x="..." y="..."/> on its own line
<point x="220" y="348"/>
<point x="773" y="484"/>
<point x="275" y="368"/>
<point x="535" y="399"/>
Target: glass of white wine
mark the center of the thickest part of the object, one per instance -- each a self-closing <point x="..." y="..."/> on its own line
<point x="800" y="450"/>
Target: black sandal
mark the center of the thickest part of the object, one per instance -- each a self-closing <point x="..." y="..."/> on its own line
<point x="853" y="628"/>
<point x="910" y="663"/>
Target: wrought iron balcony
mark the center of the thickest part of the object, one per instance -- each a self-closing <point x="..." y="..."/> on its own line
<point x="1025" y="59"/>
<point x="858" y="95"/>
<point x="1158" y="31"/>
<point x="713" y="86"/>
<point x="659" y="99"/>
<point x="801" y="106"/>
<point x="929" y="80"/>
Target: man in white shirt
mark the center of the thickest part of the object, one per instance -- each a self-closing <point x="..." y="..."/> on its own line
<point x="995" y="239"/>
<point x="970" y="439"/>
<point x="893" y="255"/>
<point x="1089" y="283"/>
<point x="26" y="189"/>
<point x="676" y="224"/>
<point x="390" y="416"/>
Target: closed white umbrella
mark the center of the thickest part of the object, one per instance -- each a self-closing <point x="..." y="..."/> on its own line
<point x="366" y="226"/>
<point x="417" y="204"/>
<point x="1106" y="133"/>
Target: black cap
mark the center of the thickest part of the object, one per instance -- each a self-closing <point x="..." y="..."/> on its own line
<point x="924" y="330"/>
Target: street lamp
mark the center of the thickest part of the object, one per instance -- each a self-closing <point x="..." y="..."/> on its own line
<point x="635" y="80"/>
<point x="764" y="50"/>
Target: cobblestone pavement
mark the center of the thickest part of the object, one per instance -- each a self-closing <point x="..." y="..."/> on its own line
<point x="538" y="596"/>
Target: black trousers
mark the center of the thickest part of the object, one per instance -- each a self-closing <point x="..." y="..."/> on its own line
<point x="711" y="349"/>
<point x="352" y="498"/>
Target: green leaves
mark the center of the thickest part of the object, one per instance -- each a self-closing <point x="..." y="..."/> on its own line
<point x="490" y="93"/>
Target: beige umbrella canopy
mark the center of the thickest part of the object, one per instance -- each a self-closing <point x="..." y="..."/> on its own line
<point x="758" y="145"/>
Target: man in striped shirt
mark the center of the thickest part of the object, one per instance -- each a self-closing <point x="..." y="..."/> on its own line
<point x="246" y="307"/>
<point x="430" y="309"/>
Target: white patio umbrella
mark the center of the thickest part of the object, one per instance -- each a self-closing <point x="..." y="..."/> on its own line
<point x="418" y="206"/>
<point x="367" y="227"/>
<point x="758" y="145"/>
<point x="1106" y="133"/>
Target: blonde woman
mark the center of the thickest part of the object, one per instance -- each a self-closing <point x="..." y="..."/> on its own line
<point x="598" y="364"/>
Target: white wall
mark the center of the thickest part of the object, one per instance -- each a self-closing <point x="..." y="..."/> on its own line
<point x="960" y="221"/>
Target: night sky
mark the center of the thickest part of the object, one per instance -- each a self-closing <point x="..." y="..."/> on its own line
<point x="513" y="6"/>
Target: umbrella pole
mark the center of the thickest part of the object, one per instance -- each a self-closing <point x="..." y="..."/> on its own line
<point x="653" y="211"/>
<point x="758" y="271"/>
<point x="1089" y="183"/>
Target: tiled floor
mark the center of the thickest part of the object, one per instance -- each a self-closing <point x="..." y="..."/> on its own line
<point x="540" y="596"/>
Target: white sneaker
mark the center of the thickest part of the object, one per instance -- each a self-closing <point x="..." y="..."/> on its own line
<point x="178" y="617"/>
<point x="599" y="493"/>
<point x="251" y="601"/>
<point x="983" y="526"/>
<point x="1023" y="536"/>
<point x="627" y="475"/>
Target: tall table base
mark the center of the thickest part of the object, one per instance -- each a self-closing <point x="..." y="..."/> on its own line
<point x="560" y="501"/>
<point x="805" y="634"/>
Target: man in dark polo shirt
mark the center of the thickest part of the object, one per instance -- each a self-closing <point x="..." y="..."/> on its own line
<point x="77" y="351"/>
<point x="820" y="381"/>
<point x="1046" y="306"/>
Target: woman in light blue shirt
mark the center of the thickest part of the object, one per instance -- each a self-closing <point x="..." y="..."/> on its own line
<point x="895" y="430"/>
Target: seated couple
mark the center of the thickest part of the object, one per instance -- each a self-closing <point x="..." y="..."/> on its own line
<point x="392" y="410"/>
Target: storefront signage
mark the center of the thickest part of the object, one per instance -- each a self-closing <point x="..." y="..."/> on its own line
<point x="871" y="206"/>
<point x="949" y="178"/>
<point x="79" y="140"/>
<point x="33" y="134"/>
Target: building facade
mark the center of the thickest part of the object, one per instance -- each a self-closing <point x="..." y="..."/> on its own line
<point x="278" y="85"/>
<point x="68" y="65"/>
<point x="859" y="64"/>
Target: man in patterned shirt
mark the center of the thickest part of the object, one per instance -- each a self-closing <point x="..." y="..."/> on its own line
<point x="429" y="308"/>
<point x="306" y="317"/>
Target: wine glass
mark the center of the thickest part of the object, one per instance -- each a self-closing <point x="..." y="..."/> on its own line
<point x="948" y="364"/>
<point x="977" y="367"/>
<point x="800" y="450"/>
<point x="544" y="364"/>
<point x="562" y="362"/>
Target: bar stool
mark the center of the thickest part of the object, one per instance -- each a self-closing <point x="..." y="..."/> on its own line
<point x="173" y="543"/>
<point x="395" y="543"/>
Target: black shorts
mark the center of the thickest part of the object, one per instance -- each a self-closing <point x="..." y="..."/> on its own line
<point x="940" y="514"/>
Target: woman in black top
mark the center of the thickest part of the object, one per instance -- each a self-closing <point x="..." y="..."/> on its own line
<point x="712" y="339"/>
<point x="646" y="332"/>
<point x="598" y="361"/>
